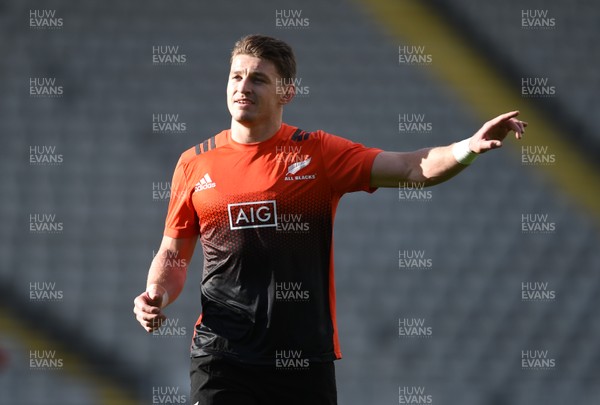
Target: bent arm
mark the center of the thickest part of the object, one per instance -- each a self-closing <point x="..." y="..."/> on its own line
<point x="169" y="266"/>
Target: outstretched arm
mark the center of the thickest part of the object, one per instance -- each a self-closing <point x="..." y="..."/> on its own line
<point x="432" y="166"/>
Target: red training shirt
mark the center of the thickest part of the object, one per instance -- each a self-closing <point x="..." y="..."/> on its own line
<point x="265" y="214"/>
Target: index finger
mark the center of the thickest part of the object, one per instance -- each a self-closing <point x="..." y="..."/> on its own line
<point x="503" y="117"/>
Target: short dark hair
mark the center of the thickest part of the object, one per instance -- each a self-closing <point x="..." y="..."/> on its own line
<point x="268" y="48"/>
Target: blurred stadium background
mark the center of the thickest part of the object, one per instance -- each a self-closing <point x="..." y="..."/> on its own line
<point x="103" y="193"/>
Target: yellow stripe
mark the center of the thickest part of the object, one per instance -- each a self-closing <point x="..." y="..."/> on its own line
<point x="476" y="81"/>
<point x="108" y="393"/>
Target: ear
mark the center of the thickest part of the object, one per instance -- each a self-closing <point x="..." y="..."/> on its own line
<point x="288" y="93"/>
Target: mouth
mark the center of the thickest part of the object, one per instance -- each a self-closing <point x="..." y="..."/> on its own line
<point x="243" y="101"/>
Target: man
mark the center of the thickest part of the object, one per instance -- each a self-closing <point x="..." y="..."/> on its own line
<point x="267" y="332"/>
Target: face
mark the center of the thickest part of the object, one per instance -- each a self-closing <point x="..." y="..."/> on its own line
<point x="252" y="90"/>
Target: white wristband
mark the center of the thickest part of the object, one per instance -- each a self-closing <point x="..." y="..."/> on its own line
<point x="462" y="153"/>
<point x="165" y="295"/>
<point x="165" y="299"/>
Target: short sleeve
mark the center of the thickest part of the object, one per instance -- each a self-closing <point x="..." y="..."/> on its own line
<point x="182" y="220"/>
<point x="348" y="164"/>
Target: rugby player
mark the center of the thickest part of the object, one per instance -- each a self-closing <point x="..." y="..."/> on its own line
<point x="267" y="330"/>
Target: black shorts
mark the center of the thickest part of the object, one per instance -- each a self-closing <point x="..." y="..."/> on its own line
<point x="224" y="382"/>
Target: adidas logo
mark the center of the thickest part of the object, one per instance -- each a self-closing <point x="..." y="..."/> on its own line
<point x="204" y="183"/>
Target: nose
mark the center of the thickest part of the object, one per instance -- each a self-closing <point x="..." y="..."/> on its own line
<point x="244" y="86"/>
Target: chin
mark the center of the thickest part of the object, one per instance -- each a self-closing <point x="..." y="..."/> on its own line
<point x="243" y="118"/>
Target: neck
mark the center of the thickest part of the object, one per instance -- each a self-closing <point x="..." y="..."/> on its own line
<point x="249" y="133"/>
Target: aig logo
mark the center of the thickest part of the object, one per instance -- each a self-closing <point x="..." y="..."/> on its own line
<point x="257" y="214"/>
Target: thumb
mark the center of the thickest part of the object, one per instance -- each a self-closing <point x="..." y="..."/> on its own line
<point x="157" y="294"/>
<point x="486" y="145"/>
<point x="154" y="296"/>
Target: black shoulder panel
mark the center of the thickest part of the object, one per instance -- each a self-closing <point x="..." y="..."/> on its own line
<point x="205" y="146"/>
<point x="300" y="135"/>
